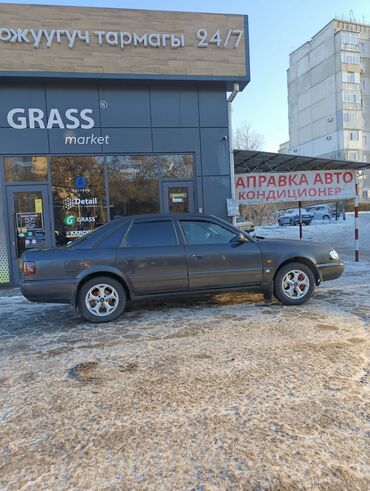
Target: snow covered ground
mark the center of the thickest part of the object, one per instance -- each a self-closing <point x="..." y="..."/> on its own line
<point x="339" y="234"/>
<point x="227" y="392"/>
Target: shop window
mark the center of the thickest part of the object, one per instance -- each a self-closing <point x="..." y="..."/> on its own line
<point x="152" y="234"/>
<point x="133" y="185"/>
<point x="79" y="199"/>
<point x="25" y="169"/>
<point x="176" y="166"/>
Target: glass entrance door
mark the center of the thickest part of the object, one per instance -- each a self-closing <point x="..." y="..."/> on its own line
<point x="178" y="197"/>
<point x="29" y="222"/>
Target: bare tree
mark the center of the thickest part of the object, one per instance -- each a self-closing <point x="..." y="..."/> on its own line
<point x="245" y="138"/>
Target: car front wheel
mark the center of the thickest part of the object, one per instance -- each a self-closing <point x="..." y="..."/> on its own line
<point x="294" y="284"/>
<point x="326" y="218"/>
<point x="101" y="299"/>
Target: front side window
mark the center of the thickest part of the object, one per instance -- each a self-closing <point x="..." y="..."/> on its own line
<point x="152" y="234"/>
<point x="201" y="232"/>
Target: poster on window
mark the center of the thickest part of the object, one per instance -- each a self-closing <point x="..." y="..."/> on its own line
<point x="295" y="186"/>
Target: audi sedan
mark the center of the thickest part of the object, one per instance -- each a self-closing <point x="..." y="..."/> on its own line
<point x="149" y="256"/>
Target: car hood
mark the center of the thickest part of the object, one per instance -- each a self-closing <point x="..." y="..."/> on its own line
<point x="285" y="248"/>
<point x="282" y="242"/>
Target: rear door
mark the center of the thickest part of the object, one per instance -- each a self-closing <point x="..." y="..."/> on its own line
<point x="216" y="259"/>
<point x="153" y="258"/>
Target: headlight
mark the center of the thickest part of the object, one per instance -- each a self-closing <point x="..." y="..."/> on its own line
<point x="334" y="255"/>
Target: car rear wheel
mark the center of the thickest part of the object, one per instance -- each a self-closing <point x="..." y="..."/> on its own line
<point x="101" y="299"/>
<point x="326" y="218"/>
<point x="294" y="284"/>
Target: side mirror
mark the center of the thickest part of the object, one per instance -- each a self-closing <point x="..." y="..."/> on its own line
<point x="241" y="238"/>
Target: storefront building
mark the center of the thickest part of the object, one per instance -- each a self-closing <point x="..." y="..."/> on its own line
<point x="109" y="112"/>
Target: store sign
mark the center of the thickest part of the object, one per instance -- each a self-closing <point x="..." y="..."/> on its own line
<point x="294" y="186"/>
<point x="20" y="118"/>
<point x="37" y="37"/>
<point x="43" y="38"/>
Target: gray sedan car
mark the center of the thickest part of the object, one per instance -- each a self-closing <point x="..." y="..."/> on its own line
<point x="168" y="255"/>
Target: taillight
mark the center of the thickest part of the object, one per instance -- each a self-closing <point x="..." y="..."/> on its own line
<point x="29" y="268"/>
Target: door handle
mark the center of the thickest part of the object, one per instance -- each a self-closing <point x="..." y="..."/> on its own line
<point x="195" y="256"/>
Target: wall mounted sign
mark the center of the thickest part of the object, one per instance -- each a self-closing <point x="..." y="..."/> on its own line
<point x="286" y="187"/>
<point x="36" y="38"/>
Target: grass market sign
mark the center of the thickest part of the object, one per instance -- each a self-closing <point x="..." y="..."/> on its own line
<point x="294" y="186"/>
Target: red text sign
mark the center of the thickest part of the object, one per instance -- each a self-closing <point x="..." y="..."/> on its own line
<point x="295" y="186"/>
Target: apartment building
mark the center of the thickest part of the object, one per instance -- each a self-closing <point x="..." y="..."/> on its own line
<point x="329" y="95"/>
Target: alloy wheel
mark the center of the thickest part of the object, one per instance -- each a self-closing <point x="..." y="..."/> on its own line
<point x="101" y="300"/>
<point x="295" y="284"/>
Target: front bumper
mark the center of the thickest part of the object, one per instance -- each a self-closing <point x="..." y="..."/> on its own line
<point x="49" y="291"/>
<point x="330" y="271"/>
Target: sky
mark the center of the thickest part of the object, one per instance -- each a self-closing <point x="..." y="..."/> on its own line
<point x="276" y="28"/>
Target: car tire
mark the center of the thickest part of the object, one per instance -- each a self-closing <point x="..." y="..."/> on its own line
<point x="291" y="222"/>
<point x="281" y="224"/>
<point x="289" y="281"/>
<point x="326" y="218"/>
<point x="101" y="299"/>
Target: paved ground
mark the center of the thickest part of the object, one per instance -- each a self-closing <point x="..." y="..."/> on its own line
<point x="220" y="393"/>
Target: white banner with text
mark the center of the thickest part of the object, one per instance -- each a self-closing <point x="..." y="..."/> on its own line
<point x="295" y="186"/>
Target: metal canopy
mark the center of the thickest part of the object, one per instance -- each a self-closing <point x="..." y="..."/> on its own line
<point x="256" y="161"/>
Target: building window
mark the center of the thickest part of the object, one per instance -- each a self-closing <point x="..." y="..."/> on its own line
<point x="176" y="166"/>
<point x="26" y="169"/>
<point x="349" y="38"/>
<point x="354" y="135"/>
<point x="133" y="185"/>
<point x="351" y="77"/>
<point x="350" y="116"/>
<point x="79" y="199"/>
<point x="350" y="58"/>
<point x="349" y="96"/>
<point x="352" y="155"/>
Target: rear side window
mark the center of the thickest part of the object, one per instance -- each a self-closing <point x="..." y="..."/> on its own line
<point x="152" y="234"/>
<point x="113" y="240"/>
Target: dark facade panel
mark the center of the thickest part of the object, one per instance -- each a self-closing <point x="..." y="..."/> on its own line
<point x="130" y="140"/>
<point x="124" y="106"/>
<point x="215" y="192"/>
<point x="215" y="151"/>
<point x="19" y="96"/>
<point x="64" y="97"/>
<point x="174" y="107"/>
<point x="212" y="108"/>
<point x="27" y="141"/>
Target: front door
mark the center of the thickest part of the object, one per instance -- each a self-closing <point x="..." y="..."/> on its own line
<point x="29" y="222"/>
<point x="178" y="197"/>
<point x="216" y="259"/>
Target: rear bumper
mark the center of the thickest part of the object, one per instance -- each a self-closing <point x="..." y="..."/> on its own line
<point x="55" y="291"/>
<point x="330" y="271"/>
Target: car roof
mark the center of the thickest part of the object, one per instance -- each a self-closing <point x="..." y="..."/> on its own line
<point x="165" y="215"/>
